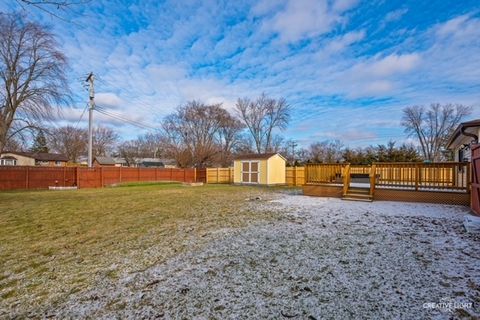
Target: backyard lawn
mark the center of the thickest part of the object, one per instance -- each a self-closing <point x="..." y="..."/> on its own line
<point x="218" y="252"/>
<point x="53" y="244"/>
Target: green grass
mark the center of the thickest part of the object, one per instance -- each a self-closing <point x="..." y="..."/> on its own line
<point x="54" y="243"/>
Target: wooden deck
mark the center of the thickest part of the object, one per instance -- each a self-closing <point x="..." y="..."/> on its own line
<point x="447" y="183"/>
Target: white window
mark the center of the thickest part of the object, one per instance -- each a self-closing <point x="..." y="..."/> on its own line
<point x="8" y="162"/>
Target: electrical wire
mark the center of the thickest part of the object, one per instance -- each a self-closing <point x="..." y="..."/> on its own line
<point x="117" y="117"/>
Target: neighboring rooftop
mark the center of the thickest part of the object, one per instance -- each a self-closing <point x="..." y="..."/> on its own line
<point x="41" y="156"/>
<point x="105" y="160"/>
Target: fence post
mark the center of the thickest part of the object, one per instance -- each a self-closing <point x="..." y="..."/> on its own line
<point x="77" y="176"/>
<point x="184" y="174"/>
<point x="294" y="176"/>
<point x="417" y="176"/>
<point x="138" y="174"/>
<point x="218" y="177"/>
<point x="101" y="177"/>
<point x="64" y="175"/>
<point x="26" y="178"/>
<point x="230" y="180"/>
<point x="346" y="179"/>
<point x="372" y="179"/>
<point x="195" y="174"/>
<point x="120" y="175"/>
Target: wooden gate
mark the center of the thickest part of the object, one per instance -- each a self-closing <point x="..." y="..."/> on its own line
<point x="475" y="193"/>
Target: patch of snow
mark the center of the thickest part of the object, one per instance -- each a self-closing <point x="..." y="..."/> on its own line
<point x="322" y="258"/>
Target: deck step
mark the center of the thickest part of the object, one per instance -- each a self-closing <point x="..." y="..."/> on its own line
<point x="359" y="190"/>
<point x="360" y="196"/>
<point x="357" y="199"/>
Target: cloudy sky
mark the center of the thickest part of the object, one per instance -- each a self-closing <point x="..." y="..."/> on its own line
<point x="347" y="67"/>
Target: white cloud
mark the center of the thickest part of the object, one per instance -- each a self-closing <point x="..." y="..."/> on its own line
<point x="458" y="26"/>
<point x="302" y="19"/>
<point x="390" y="65"/>
<point x="395" y="15"/>
<point x="344" y="5"/>
<point x="108" y="99"/>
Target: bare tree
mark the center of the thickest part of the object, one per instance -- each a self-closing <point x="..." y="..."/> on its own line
<point x="32" y="72"/>
<point x="196" y="133"/>
<point x="104" y="141"/>
<point x="129" y="150"/>
<point x="151" y="145"/>
<point x="52" y="7"/>
<point x="432" y="126"/>
<point x="68" y="140"/>
<point x="261" y="117"/>
<point x="228" y="137"/>
<point x="326" y="151"/>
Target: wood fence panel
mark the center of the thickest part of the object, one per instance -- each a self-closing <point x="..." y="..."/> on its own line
<point x="219" y="175"/>
<point x="21" y="177"/>
<point x="295" y="176"/>
<point x="89" y="178"/>
<point x="111" y="175"/>
<point x="202" y="175"/>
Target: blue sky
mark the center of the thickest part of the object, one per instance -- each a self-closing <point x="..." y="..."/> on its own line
<point x="347" y="67"/>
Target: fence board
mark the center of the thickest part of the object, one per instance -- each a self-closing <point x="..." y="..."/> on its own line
<point x="23" y="177"/>
<point x="219" y="175"/>
<point x="295" y="176"/>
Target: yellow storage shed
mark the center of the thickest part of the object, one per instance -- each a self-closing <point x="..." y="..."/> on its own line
<point x="259" y="168"/>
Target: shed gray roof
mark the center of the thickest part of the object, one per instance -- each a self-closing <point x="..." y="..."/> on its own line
<point x="257" y="156"/>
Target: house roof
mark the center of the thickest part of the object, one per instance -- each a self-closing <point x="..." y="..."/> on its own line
<point x="458" y="132"/>
<point x="257" y="156"/>
<point x="105" y="160"/>
<point x="8" y="158"/>
<point x="41" y="156"/>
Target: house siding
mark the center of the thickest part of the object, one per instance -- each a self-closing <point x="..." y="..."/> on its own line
<point x="21" y="160"/>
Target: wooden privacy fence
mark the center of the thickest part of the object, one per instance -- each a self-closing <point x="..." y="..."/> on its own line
<point x="218" y="175"/>
<point x="295" y="176"/>
<point x="42" y="177"/>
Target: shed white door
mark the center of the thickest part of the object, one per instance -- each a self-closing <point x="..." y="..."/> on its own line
<point x="250" y="171"/>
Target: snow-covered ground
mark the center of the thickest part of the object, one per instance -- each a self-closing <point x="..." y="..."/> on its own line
<point x="322" y="258"/>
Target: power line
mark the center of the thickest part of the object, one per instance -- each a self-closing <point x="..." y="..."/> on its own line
<point x="110" y="114"/>
<point x="81" y="116"/>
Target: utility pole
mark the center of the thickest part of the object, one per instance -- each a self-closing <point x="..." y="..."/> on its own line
<point x="90" y="80"/>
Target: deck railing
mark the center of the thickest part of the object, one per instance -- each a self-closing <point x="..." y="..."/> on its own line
<point x="442" y="176"/>
<point x="424" y="176"/>
<point x="324" y="173"/>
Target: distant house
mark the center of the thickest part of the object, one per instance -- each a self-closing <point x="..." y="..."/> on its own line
<point x="104" y="162"/>
<point x="461" y="139"/>
<point x="120" y="162"/>
<point x="262" y="168"/>
<point x="150" y="163"/>
<point x="11" y="158"/>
